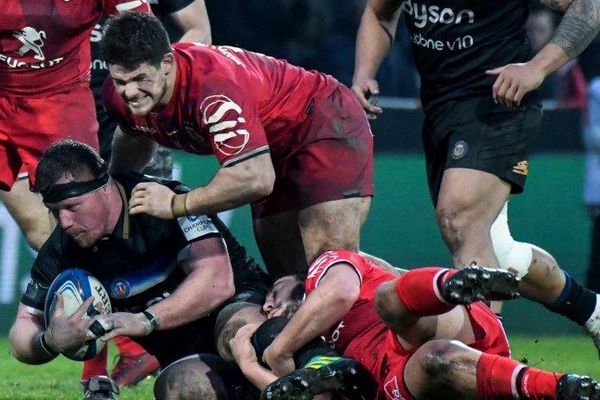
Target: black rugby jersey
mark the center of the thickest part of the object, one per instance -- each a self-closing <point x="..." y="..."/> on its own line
<point x="455" y="41"/>
<point x="137" y="262"/>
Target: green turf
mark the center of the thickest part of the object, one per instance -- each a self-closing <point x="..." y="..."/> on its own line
<point x="59" y="379"/>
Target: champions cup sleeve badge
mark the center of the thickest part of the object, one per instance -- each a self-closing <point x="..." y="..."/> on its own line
<point x="460" y="150"/>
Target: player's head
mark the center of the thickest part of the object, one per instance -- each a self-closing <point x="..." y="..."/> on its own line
<point x="73" y="181"/>
<point x="285" y="296"/>
<point x="138" y="53"/>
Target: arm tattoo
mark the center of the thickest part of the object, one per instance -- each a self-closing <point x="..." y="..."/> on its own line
<point x="579" y="25"/>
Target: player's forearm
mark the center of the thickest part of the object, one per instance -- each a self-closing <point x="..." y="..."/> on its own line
<point x="579" y="25"/>
<point x="310" y="321"/>
<point x="233" y="186"/>
<point x="25" y="342"/>
<point x="257" y="375"/>
<point x="373" y="42"/>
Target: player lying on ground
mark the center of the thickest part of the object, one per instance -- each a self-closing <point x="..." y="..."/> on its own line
<point x="428" y="345"/>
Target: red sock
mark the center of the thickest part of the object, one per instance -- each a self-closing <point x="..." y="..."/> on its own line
<point x="96" y="366"/>
<point x="503" y="378"/>
<point x="419" y="291"/>
<point x="537" y="384"/>
<point x="496" y="377"/>
<point x="128" y="347"/>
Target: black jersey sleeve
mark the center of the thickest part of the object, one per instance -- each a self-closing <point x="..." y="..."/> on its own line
<point x="46" y="267"/>
<point x="171" y="6"/>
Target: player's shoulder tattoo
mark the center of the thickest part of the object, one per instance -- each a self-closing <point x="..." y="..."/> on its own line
<point x="579" y="25"/>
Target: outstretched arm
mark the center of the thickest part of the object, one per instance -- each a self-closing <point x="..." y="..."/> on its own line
<point x="231" y="187"/>
<point x="579" y="25"/>
<point x="375" y="36"/>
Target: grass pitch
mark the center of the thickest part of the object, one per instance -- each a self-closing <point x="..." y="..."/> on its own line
<point x="59" y="379"/>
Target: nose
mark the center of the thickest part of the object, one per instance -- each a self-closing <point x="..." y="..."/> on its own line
<point x="268" y="305"/>
<point x="131" y="90"/>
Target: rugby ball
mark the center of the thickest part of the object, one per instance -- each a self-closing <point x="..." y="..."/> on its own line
<point x="76" y="285"/>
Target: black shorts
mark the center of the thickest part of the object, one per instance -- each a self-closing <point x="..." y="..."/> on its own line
<point x="251" y="285"/>
<point x="479" y="134"/>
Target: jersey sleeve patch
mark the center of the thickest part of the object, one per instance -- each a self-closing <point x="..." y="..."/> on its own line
<point x="196" y="226"/>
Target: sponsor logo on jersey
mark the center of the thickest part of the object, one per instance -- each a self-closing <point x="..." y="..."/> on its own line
<point x="223" y="116"/>
<point x="120" y="288"/>
<point x="392" y="390"/>
<point x="422" y="14"/>
<point x="521" y="168"/>
<point x="322" y="262"/>
<point x="460" y="150"/>
<point x="33" y="40"/>
<point x="137" y="130"/>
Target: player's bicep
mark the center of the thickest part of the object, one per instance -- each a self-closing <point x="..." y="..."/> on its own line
<point x="193" y="21"/>
<point x="557" y="5"/>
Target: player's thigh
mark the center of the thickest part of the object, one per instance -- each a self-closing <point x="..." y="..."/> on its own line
<point x="280" y="243"/>
<point x="47" y="120"/>
<point x="333" y="225"/>
<point x="199" y="376"/>
<point x="30" y="213"/>
<point x="9" y="156"/>
<point x="477" y="195"/>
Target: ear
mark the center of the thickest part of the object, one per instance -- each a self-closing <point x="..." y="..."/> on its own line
<point x="167" y="63"/>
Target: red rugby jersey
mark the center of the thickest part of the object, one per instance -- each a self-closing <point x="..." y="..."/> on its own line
<point x="361" y="333"/>
<point x="229" y="102"/>
<point x="44" y="44"/>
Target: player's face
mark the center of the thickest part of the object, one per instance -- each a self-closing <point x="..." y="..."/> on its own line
<point x="83" y="217"/>
<point x="144" y="88"/>
<point x="279" y="299"/>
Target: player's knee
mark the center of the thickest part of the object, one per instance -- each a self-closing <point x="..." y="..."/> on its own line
<point x="453" y="224"/>
<point x="189" y="379"/>
<point x="387" y="303"/>
<point x="438" y="358"/>
<point x="512" y="255"/>
<point x="229" y="320"/>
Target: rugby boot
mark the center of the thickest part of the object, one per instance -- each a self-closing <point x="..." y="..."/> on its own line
<point x="129" y="371"/>
<point x="100" y="388"/>
<point x="576" y="387"/>
<point x="592" y="326"/>
<point x="480" y="284"/>
<point x="324" y="374"/>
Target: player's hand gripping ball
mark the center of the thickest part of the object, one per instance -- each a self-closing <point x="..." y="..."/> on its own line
<point x="76" y="286"/>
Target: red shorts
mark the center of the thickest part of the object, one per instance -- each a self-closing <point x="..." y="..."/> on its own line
<point x="489" y="338"/>
<point x="332" y="158"/>
<point x="30" y="124"/>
